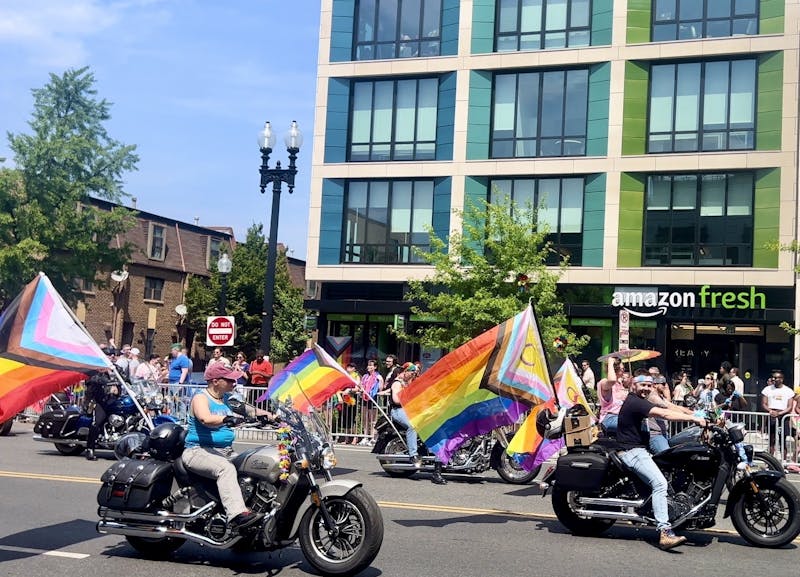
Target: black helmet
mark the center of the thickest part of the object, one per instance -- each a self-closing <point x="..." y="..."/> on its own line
<point x="167" y="441"/>
<point x="130" y="444"/>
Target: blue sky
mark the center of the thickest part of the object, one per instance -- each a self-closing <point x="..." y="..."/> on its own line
<point x="191" y="83"/>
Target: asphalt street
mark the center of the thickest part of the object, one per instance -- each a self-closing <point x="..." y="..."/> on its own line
<point x="472" y="526"/>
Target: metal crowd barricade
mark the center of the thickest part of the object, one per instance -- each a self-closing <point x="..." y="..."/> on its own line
<point x="790" y="437"/>
<point x="757" y="426"/>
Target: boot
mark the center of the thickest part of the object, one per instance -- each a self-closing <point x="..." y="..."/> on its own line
<point x="668" y="539"/>
<point x="90" y="456"/>
<point x="437" y="478"/>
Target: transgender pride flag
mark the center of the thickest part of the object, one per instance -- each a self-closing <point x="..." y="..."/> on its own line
<point x="43" y="348"/>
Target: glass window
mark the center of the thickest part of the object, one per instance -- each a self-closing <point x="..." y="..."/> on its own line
<point x="214" y="245"/>
<point x="689" y="19"/>
<point x="387" y="220"/>
<point x="699" y="220"/>
<point x="156" y="242"/>
<point x="397" y="29"/>
<point x="153" y="289"/>
<point x="540" y="24"/>
<point x="559" y="206"/>
<point x="701" y="106"/>
<point x="529" y="116"/>
<point x="394" y="120"/>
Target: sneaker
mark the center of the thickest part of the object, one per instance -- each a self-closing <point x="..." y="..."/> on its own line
<point x="668" y="539"/>
<point x="244" y="520"/>
<point x="364" y="442"/>
<point x="416" y="461"/>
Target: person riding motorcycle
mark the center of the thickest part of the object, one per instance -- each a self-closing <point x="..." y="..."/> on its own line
<point x="633" y="440"/>
<point x="209" y="442"/>
<point x="100" y="392"/>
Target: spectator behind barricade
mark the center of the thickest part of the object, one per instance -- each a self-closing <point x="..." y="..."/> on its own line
<point x="587" y="375"/>
<point x="133" y="361"/>
<point x="683" y="388"/>
<point x="705" y="392"/>
<point x="218" y="357"/>
<point x="179" y="366"/>
<point x="612" y="391"/>
<point x="392" y="370"/>
<point x="665" y="391"/>
<point x="346" y="408"/>
<point x="371" y="385"/>
<point x="260" y="370"/>
<point x="123" y="363"/>
<point x="778" y="400"/>
<point x="737" y="381"/>
<point x="150" y="372"/>
<point x="185" y="353"/>
<point x="730" y="399"/>
<point x="723" y="376"/>
<point x="240" y="364"/>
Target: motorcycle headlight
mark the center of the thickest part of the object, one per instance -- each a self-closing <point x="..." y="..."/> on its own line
<point x="327" y="458"/>
<point x="116" y="421"/>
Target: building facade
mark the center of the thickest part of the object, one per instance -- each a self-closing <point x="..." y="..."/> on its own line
<point x="660" y="136"/>
<point x="142" y="304"/>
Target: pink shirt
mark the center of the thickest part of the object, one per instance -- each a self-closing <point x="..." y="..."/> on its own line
<point x="612" y="405"/>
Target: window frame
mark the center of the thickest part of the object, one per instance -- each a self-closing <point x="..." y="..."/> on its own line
<point x="210" y="260"/>
<point x="700" y="131"/>
<point x="393" y="143"/>
<point x="703" y="21"/>
<point x="564" y="138"/>
<point x="150" y="290"/>
<point x="543" y="31"/>
<point x="151" y="238"/>
<point x="374" y="45"/>
<point x="574" y="250"/>
<point x="348" y="248"/>
<point x="699" y="245"/>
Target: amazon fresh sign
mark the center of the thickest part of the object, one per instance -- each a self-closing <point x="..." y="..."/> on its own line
<point x="705" y="298"/>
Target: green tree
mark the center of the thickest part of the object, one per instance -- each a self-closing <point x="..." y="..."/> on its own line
<point x="490" y="273"/>
<point x="46" y="220"/>
<point x="245" y="298"/>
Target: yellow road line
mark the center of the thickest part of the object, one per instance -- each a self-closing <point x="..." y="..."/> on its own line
<point x="46" y="477"/>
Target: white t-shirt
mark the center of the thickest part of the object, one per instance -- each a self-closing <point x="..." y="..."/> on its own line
<point x="778" y="398"/>
<point x="738" y="384"/>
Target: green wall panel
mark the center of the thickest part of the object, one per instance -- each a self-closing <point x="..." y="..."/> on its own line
<point x="631" y="220"/>
<point x="769" y="110"/>
<point x="766" y="217"/>
<point x="480" y="107"/>
<point x="483" y="12"/>
<point x="634" y="108"/>
<point x="602" y="21"/>
<point x="597" y="118"/>
<point x="770" y="17"/>
<point x="594" y="214"/>
<point x="639" y="21"/>
<point x="475" y="193"/>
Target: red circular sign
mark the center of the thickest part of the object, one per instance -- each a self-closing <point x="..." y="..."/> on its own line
<point x="220" y="331"/>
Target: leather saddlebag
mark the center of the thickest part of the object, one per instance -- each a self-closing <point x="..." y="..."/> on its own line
<point x="584" y="471"/>
<point x="135" y="485"/>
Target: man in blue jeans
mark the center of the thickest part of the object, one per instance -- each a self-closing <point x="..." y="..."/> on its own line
<point x="633" y="439"/>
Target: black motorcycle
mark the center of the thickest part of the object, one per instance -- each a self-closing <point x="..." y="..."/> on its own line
<point x="158" y="505"/>
<point x="593" y="488"/>
<point x="67" y="425"/>
<point x="477" y="455"/>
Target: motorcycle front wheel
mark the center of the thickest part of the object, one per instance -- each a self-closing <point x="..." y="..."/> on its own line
<point x="395" y="447"/>
<point x="69" y="449"/>
<point x="356" y="541"/>
<point x="769" y="518"/>
<point x="576" y="524"/>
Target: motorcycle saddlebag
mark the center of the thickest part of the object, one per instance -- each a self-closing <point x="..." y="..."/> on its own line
<point x="135" y="484"/>
<point x="54" y="424"/>
<point x="584" y="471"/>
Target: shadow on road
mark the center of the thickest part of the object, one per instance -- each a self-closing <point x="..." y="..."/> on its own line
<point x="48" y="538"/>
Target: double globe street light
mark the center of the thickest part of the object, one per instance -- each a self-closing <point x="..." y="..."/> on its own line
<point x="266" y="140"/>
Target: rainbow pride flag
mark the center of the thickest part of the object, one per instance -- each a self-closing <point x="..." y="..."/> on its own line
<point x="569" y="388"/>
<point x="486" y="383"/>
<point x="43" y="348"/>
<point x="309" y="380"/>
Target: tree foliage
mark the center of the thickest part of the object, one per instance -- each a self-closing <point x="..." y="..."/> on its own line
<point x="490" y="273"/>
<point x="245" y="296"/>
<point x="45" y="221"/>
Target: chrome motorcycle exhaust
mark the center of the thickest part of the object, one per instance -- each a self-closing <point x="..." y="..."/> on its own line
<point x="610" y="502"/>
<point x="160" y="532"/>
<point x="616" y="515"/>
<point x="157" y="517"/>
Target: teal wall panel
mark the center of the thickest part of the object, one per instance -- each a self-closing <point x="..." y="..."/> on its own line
<point x="445" y="117"/>
<point x="480" y="107"/>
<point x="594" y="214"/>
<point x="342" y="30"/>
<point x="602" y="20"/>
<point x="332" y="217"/>
<point x="450" y="10"/>
<point x="442" y="196"/>
<point x="337" y="120"/>
<point x="483" y="15"/>
<point x="597" y="118"/>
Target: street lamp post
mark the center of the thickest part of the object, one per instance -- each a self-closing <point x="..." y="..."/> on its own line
<point x="277" y="176"/>
<point x="224" y="265"/>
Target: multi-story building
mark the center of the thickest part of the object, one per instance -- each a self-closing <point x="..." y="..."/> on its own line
<point x="143" y="304"/>
<point x="659" y="135"/>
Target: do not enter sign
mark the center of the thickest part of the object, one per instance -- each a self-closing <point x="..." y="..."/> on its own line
<point x="220" y="331"/>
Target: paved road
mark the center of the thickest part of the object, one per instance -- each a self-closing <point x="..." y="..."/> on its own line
<point x="468" y="527"/>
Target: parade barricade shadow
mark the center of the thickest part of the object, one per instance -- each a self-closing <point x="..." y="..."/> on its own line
<point x="48" y="538"/>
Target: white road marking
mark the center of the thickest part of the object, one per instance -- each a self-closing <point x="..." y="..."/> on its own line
<point x="67" y="554"/>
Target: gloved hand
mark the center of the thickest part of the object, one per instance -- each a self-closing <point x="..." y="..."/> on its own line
<point x="233" y="420"/>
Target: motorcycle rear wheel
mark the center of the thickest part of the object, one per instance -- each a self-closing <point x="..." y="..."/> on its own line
<point x="766" y="462"/>
<point x="70" y="449"/>
<point x="395" y="447"/>
<point x="155" y="548"/>
<point x="775" y="527"/>
<point x="360" y="525"/>
<point x="576" y="524"/>
<point x="509" y="470"/>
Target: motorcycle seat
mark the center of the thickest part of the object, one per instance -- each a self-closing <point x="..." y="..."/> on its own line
<point x="181" y="473"/>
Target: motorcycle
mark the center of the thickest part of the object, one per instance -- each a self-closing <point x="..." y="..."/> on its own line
<point x="477" y="455"/>
<point x="338" y="524"/>
<point x="592" y="489"/>
<point x="66" y="425"/>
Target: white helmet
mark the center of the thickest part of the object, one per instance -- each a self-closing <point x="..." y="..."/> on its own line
<point x="550" y="426"/>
